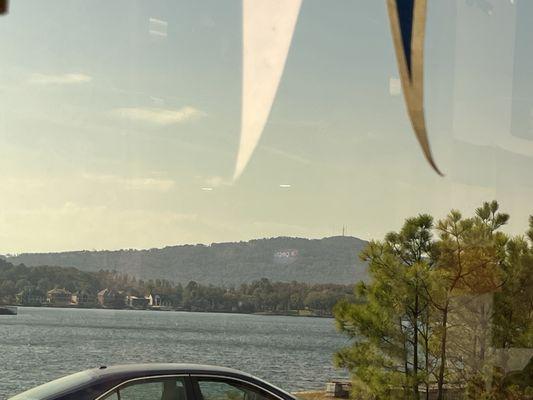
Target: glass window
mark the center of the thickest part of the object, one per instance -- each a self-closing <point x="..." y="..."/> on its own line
<point x="229" y="390"/>
<point x="241" y="165"/>
<point x="151" y="389"/>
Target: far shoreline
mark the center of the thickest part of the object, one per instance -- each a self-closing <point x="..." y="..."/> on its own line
<point x="261" y="314"/>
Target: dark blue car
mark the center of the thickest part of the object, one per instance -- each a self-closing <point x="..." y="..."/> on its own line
<point x="157" y="382"/>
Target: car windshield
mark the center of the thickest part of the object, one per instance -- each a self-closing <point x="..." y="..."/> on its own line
<point x="333" y="196"/>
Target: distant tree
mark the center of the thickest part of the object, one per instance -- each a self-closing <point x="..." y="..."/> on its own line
<point x="7" y="290"/>
<point x="44" y="285"/>
<point x="178" y="294"/>
<point x="22" y="284"/>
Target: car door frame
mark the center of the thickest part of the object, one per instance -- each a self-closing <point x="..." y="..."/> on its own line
<point x="194" y="377"/>
<point x="189" y="392"/>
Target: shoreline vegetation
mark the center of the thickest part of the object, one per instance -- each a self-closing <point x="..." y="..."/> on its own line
<point x="52" y="286"/>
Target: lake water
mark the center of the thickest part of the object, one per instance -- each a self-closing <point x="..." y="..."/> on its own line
<point x="40" y="344"/>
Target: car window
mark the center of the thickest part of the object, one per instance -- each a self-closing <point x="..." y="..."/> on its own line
<point x="217" y="389"/>
<point x="150" y="389"/>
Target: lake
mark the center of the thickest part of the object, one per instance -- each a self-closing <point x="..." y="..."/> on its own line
<point x="40" y="344"/>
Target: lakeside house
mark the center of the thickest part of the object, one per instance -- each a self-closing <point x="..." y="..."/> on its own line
<point x="106" y="298"/>
<point x="59" y="297"/>
<point x="83" y="298"/>
<point x="111" y="298"/>
<point x="159" y="300"/>
<point x="137" y="302"/>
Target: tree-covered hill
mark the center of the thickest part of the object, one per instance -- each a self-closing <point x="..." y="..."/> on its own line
<point x="14" y="278"/>
<point x="328" y="260"/>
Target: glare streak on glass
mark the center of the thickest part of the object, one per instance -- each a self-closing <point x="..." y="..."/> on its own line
<point x="157" y="27"/>
<point x="268" y="27"/>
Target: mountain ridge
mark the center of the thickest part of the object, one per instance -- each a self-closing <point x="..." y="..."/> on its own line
<point x="327" y="260"/>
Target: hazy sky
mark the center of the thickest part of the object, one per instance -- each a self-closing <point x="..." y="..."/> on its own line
<point x="119" y="123"/>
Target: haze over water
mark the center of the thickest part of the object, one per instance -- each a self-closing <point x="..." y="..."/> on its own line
<point x="41" y="344"/>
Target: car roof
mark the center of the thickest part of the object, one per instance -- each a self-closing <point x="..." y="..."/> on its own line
<point x="133" y="370"/>
<point x="117" y="373"/>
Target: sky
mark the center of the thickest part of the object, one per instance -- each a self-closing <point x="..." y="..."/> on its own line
<point x="120" y="123"/>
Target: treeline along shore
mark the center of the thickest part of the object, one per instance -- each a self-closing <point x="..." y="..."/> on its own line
<point x="70" y="287"/>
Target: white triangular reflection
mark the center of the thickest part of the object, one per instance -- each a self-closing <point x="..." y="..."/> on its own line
<point x="268" y="26"/>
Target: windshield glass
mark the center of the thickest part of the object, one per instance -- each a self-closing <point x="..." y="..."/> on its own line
<point x="334" y="196"/>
